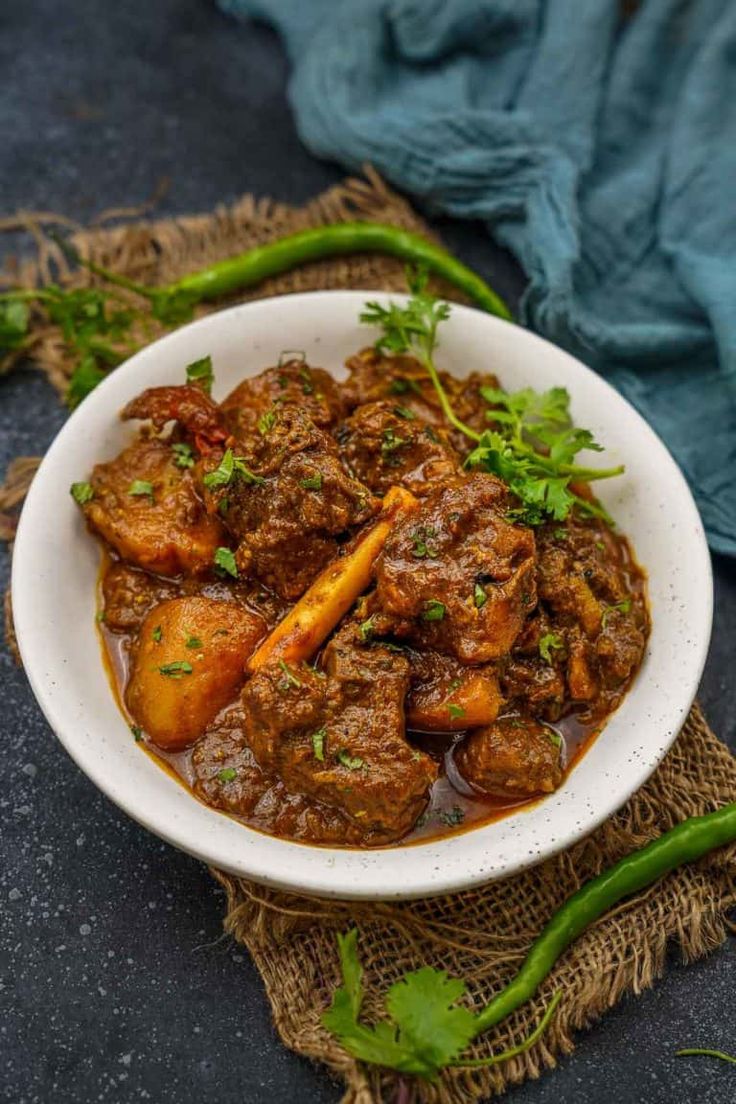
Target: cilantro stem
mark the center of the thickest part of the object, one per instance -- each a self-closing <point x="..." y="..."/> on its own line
<point x="706" y="1053"/>
<point x="520" y="1048"/>
<point x="445" y="402"/>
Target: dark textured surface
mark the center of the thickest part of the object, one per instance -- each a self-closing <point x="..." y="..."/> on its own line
<point x="116" y="985"/>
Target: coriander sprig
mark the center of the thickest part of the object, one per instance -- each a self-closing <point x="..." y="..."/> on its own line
<point x="532" y="444"/>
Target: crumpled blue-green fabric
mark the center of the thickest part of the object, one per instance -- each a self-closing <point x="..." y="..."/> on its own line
<point x="600" y="150"/>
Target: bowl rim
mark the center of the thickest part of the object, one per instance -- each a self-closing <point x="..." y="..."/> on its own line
<point x="329" y="878"/>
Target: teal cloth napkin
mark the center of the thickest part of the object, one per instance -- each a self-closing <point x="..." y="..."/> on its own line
<point x="600" y="150"/>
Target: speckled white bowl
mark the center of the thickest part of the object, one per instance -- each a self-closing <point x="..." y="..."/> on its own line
<point x="56" y="562"/>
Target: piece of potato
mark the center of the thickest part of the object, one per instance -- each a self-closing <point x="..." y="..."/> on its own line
<point x="188" y="662"/>
<point x="333" y="592"/>
<point x="470" y="701"/>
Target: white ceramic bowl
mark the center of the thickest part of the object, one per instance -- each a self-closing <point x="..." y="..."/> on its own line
<point x="56" y="563"/>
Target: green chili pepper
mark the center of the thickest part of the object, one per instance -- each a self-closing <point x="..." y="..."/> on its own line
<point x="257" y="264"/>
<point x="683" y="844"/>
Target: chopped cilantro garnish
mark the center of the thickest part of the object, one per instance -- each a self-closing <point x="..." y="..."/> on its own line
<point x="479" y="596"/>
<point x="137" y="732"/>
<point x="228" y="774"/>
<point x="554" y="736"/>
<point x="619" y="607"/>
<point x="452" y="817"/>
<point x="141" y="488"/>
<point x="183" y="455"/>
<point x="200" y="373"/>
<point x="157" y="634"/>
<point x="192" y="642"/>
<point x="421" y="539"/>
<point x="82" y="492"/>
<point x="401" y="385"/>
<point x="266" y="422"/>
<point x="290" y="678"/>
<point x="365" y="628"/>
<point x="318" y="744"/>
<point x="351" y="762"/>
<point x="391" y="443"/>
<point x="547" y="643"/>
<point x="225" y="562"/>
<point x="306" y="377"/>
<point x="404" y="412"/>
<point x="231" y="466"/>
<point x="456" y="711"/>
<point x="176" y="669"/>
<point x="312" y="483"/>
<point x="433" y="610"/>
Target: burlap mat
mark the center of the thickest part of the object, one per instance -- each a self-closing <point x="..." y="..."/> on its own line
<point x="481" y="935"/>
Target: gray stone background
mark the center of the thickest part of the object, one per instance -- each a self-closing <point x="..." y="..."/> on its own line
<point x="115" y="981"/>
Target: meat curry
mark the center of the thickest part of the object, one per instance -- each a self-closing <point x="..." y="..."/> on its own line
<point x="331" y="625"/>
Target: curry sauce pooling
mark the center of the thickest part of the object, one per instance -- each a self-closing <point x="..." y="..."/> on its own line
<point x="330" y="625"/>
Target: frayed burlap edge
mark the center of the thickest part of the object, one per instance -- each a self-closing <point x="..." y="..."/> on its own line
<point x="481" y="935"/>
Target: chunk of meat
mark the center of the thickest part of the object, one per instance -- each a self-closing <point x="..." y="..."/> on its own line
<point x="130" y="594"/>
<point x="311" y="389"/>
<point x="168" y="530"/>
<point x="534" y="685"/>
<point x="595" y="601"/>
<point x="188" y="663"/>
<point x="227" y="777"/>
<point x="513" y="757"/>
<point x="375" y="376"/>
<point x="198" y="415"/>
<point x="456" y="576"/>
<point x="383" y="444"/>
<point x="287" y="517"/>
<point x="338" y="736"/>
<point x="447" y="696"/>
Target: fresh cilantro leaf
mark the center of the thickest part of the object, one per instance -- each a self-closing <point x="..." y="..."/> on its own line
<point x="422" y="539"/>
<point x="84" y="379"/>
<point x="266" y="422"/>
<point x="351" y="762"/>
<point x="137" y="732"/>
<point x="619" y="607"/>
<point x="201" y="374"/>
<point x="423" y="1005"/>
<point x="452" y="817"/>
<point x="391" y="443"/>
<point x="14" y="317"/>
<point x="141" y="488"/>
<point x="225" y="561"/>
<point x="290" y="678"/>
<point x="183" y="456"/>
<point x="157" y="634"/>
<point x="318" y="744"/>
<point x="554" y="736"/>
<point x="227" y="774"/>
<point x="455" y="711"/>
<point x="433" y="610"/>
<point x="547" y="643"/>
<point x="365" y="628"/>
<point x="423" y="1034"/>
<point x="312" y="483"/>
<point x="229" y="468"/>
<point x="404" y="412"/>
<point x="82" y="493"/>
<point x="479" y="596"/>
<point x="176" y="669"/>
<point x="193" y="642"/>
